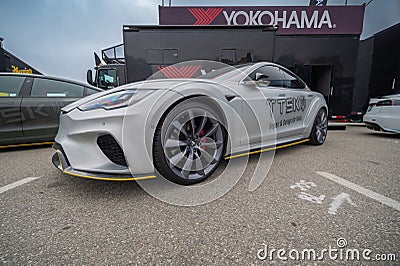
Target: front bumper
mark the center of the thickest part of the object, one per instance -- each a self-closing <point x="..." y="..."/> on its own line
<point x="111" y="144"/>
<point x="60" y="161"/>
<point x="82" y="148"/>
<point x="79" y="135"/>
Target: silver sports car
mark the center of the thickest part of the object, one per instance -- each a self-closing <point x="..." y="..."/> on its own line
<point x="183" y="128"/>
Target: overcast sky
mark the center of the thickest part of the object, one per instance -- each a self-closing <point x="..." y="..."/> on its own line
<point x="59" y="37"/>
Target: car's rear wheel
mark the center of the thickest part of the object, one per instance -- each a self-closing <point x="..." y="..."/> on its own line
<point x="320" y="128"/>
<point x="189" y="143"/>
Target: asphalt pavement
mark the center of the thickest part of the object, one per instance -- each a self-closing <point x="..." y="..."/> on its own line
<point x="343" y="195"/>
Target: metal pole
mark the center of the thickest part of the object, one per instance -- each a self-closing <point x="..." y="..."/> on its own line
<point x="162" y="3"/>
<point x="170" y="2"/>
<point x="345" y="3"/>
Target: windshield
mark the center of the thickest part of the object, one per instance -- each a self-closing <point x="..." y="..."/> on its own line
<point x="107" y="78"/>
<point x="230" y="70"/>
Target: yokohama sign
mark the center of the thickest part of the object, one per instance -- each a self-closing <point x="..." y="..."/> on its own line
<point x="291" y="20"/>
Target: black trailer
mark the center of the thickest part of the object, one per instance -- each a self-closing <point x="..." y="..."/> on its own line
<point x="378" y="68"/>
<point x="379" y="63"/>
<point x="148" y="49"/>
<point x="327" y="63"/>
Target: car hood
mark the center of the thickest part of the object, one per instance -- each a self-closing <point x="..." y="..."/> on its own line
<point x="157" y="84"/>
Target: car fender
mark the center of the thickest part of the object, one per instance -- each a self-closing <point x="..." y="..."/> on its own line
<point x="209" y="91"/>
<point x="316" y="104"/>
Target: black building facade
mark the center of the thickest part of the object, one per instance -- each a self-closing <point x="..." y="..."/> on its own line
<point x="319" y="43"/>
<point x="378" y="67"/>
<point x="11" y="63"/>
<point x="327" y="63"/>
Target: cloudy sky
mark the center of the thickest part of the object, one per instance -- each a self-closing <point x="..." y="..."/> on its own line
<point x="58" y="37"/>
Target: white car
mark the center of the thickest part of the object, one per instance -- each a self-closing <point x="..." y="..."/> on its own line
<point x="383" y="114"/>
<point x="183" y="128"/>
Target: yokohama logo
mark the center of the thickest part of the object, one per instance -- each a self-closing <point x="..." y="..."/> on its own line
<point x="292" y="20"/>
<point x="174" y="72"/>
<point x="203" y="16"/>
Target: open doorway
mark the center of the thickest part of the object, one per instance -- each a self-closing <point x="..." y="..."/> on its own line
<point x="317" y="77"/>
<point x="321" y="76"/>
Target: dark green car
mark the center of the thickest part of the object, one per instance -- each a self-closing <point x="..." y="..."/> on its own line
<point x="30" y="106"/>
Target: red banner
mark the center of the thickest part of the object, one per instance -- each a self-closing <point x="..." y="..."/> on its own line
<point x="292" y="20"/>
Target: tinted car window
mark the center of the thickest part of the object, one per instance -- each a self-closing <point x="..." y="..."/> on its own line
<point x="228" y="56"/>
<point x="91" y="91"/>
<point x="272" y="73"/>
<point x="10" y="85"/>
<point x="53" y="88"/>
<point x="154" y="56"/>
<point x="244" y="56"/>
<point x="162" y="56"/>
<point x="107" y="77"/>
<point x="170" y="56"/>
<point x="236" y="56"/>
<point x="292" y="82"/>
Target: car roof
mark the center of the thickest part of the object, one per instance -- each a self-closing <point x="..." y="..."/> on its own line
<point x="51" y="78"/>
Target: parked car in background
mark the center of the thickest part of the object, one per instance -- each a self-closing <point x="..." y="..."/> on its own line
<point x="30" y="105"/>
<point x="384" y="114"/>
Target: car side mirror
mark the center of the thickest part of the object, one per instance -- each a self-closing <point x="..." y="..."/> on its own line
<point x="262" y="79"/>
<point x="89" y="77"/>
<point x="265" y="83"/>
<point x="248" y="82"/>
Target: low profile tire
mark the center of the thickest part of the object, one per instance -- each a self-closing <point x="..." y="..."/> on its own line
<point x="189" y="143"/>
<point x="320" y="128"/>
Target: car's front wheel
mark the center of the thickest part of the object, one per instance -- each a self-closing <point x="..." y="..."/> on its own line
<point x="189" y="143"/>
<point x="320" y="128"/>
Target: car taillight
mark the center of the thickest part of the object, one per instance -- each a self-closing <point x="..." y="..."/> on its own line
<point x="385" y="103"/>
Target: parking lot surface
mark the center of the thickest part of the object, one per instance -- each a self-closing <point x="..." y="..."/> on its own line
<point x="342" y="195"/>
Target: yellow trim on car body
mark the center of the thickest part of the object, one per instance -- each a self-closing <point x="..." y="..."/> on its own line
<point x="268" y="149"/>
<point x="101" y="178"/>
<point x="25" y="145"/>
<point x="153" y="176"/>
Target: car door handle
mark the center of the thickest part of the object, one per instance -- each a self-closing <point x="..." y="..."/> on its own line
<point x="310" y="95"/>
<point x="282" y="95"/>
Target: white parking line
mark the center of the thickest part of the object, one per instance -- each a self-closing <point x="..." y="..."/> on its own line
<point x="18" y="183"/>
<point x="366" y="192"/>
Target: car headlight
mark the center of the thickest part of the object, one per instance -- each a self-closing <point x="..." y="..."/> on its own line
<point x="116" y="100"/>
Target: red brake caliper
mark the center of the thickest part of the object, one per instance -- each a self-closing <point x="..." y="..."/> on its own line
<point x="203" y="140"/>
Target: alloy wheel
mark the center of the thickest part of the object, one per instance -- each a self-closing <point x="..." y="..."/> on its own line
<point x="193" y="144"/>
<point x="321" y="126"/>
